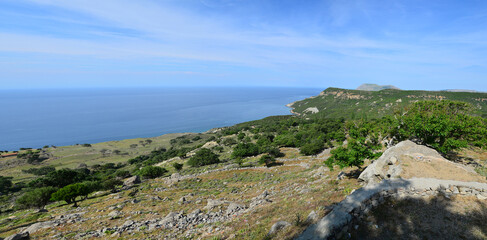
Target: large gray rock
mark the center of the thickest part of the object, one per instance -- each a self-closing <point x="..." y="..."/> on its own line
<point x="18" y="236"/>
<point x="234" y="208"/>
<point x="389" y="166"/>
<point x="36" y="226"/>
<point x="131" y="181"/>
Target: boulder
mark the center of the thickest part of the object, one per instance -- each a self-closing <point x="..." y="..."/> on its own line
<point x="19" y="236"/>
<point x="213" y="203"/>
<point x="131" y="181"/>
<point x="234" y="208"/>
<point x="278" y="226"/>
<point x="36" y="226"/>
<point x="388" y="165"/>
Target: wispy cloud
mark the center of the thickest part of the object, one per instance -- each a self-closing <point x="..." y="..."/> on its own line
<point x="319" y="39"/>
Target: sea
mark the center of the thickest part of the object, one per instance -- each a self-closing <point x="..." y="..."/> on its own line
<point x="35" y="118"/>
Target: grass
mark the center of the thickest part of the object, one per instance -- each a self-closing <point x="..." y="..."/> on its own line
<point x="74" y="155"/>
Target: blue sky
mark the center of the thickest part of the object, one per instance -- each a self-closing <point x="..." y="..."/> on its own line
<point x="341" y="43"/>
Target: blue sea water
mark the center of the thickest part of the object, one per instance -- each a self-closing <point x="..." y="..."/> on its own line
<point x="34" y="118"/>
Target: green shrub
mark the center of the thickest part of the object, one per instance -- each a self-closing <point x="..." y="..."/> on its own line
<point x="177" y="166"/>
<point x="152" y="172"/>
<point x="38" y="198"/>
<point x="203" y="157"/>
<point x="267" y="160"/>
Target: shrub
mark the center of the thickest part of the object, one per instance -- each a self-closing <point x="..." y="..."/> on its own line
<point x="177" y="166"/>
<point x="245" y="150"/>
<point x="267" y="160"/>
<point x="38" y="198"/>
<point x="352" y="155"/>
<point x="5" y="184"/>
<point x="152" y="172"/>
<point x="203" y="157"/>
<point x="40" y="171"/>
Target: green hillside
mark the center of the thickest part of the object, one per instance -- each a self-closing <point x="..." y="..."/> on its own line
<point x="352" y="104"/>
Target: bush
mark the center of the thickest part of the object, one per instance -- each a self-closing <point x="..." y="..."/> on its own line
<point x="267" y="160"/>
<point x="245" y="150"/>
<point x="352" y="155"/>
<point x="38" y="198"/>
<point x="177" y="166"/>
<point x="5" y="184"/>
<point x="203" y="157"/>
<point x="40" y="171"/>
<point x="152" y="172"/>
<point x="122" y="174"/>
<point x="312" y="148"/>
<point x="111" y="184"/>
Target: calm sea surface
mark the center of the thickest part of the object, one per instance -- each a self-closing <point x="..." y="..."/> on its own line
<point x="34" y="118"/>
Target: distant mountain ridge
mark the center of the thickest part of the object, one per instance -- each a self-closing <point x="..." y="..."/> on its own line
<point x="375" y="87"/>
<point x="352" y="104"/>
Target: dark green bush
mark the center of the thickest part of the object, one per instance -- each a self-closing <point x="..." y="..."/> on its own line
<point x="203" y="157"/>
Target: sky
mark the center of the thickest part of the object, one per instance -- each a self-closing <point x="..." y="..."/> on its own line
<point x="431" y="45"/>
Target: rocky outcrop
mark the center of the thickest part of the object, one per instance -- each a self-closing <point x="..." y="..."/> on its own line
<point x="131" y="181"/>
<point x="335" y="224"/>
<point x="388" y="165"/>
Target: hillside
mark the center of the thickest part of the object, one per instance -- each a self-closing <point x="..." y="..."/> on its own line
<point x="353" y="104"/>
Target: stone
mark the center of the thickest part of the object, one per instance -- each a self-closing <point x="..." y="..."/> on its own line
<point x="19" y="236"/>
<point x="36" y="226"/>
<point x="278" y="226"/>
<point x="481" y="197"/>
<point x="234" y="208"/>
<point x="341" y="176"/>
<point x="312" y="217"/>
<point x="213" y="203"/>
<point x="182" y="201"/>
<point x="131" y="181"/>
<point x="114" y="214"/>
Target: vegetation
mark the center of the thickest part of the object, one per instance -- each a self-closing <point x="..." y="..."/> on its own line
<point x="38" y="198"/>
<point x="203" y="157"/>
<point x="356" y="104"/>
<point x="70" y="192"/>
<point x="149" y="172"/>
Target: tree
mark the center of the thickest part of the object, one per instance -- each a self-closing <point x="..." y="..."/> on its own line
<point x="203" y="157"/>
<point x="152" y="171"/>
<point x="177" y="166"/>
<point x="5" y="184"/>
<point x="353" y="155"/>
<point x="444" y="125"/>
<point x="38" y="197"/>
<point x="267" y="160"/>
<point x="69" y="193"/>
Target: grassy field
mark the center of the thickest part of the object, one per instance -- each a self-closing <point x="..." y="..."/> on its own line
<point x="99" y="153"/>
